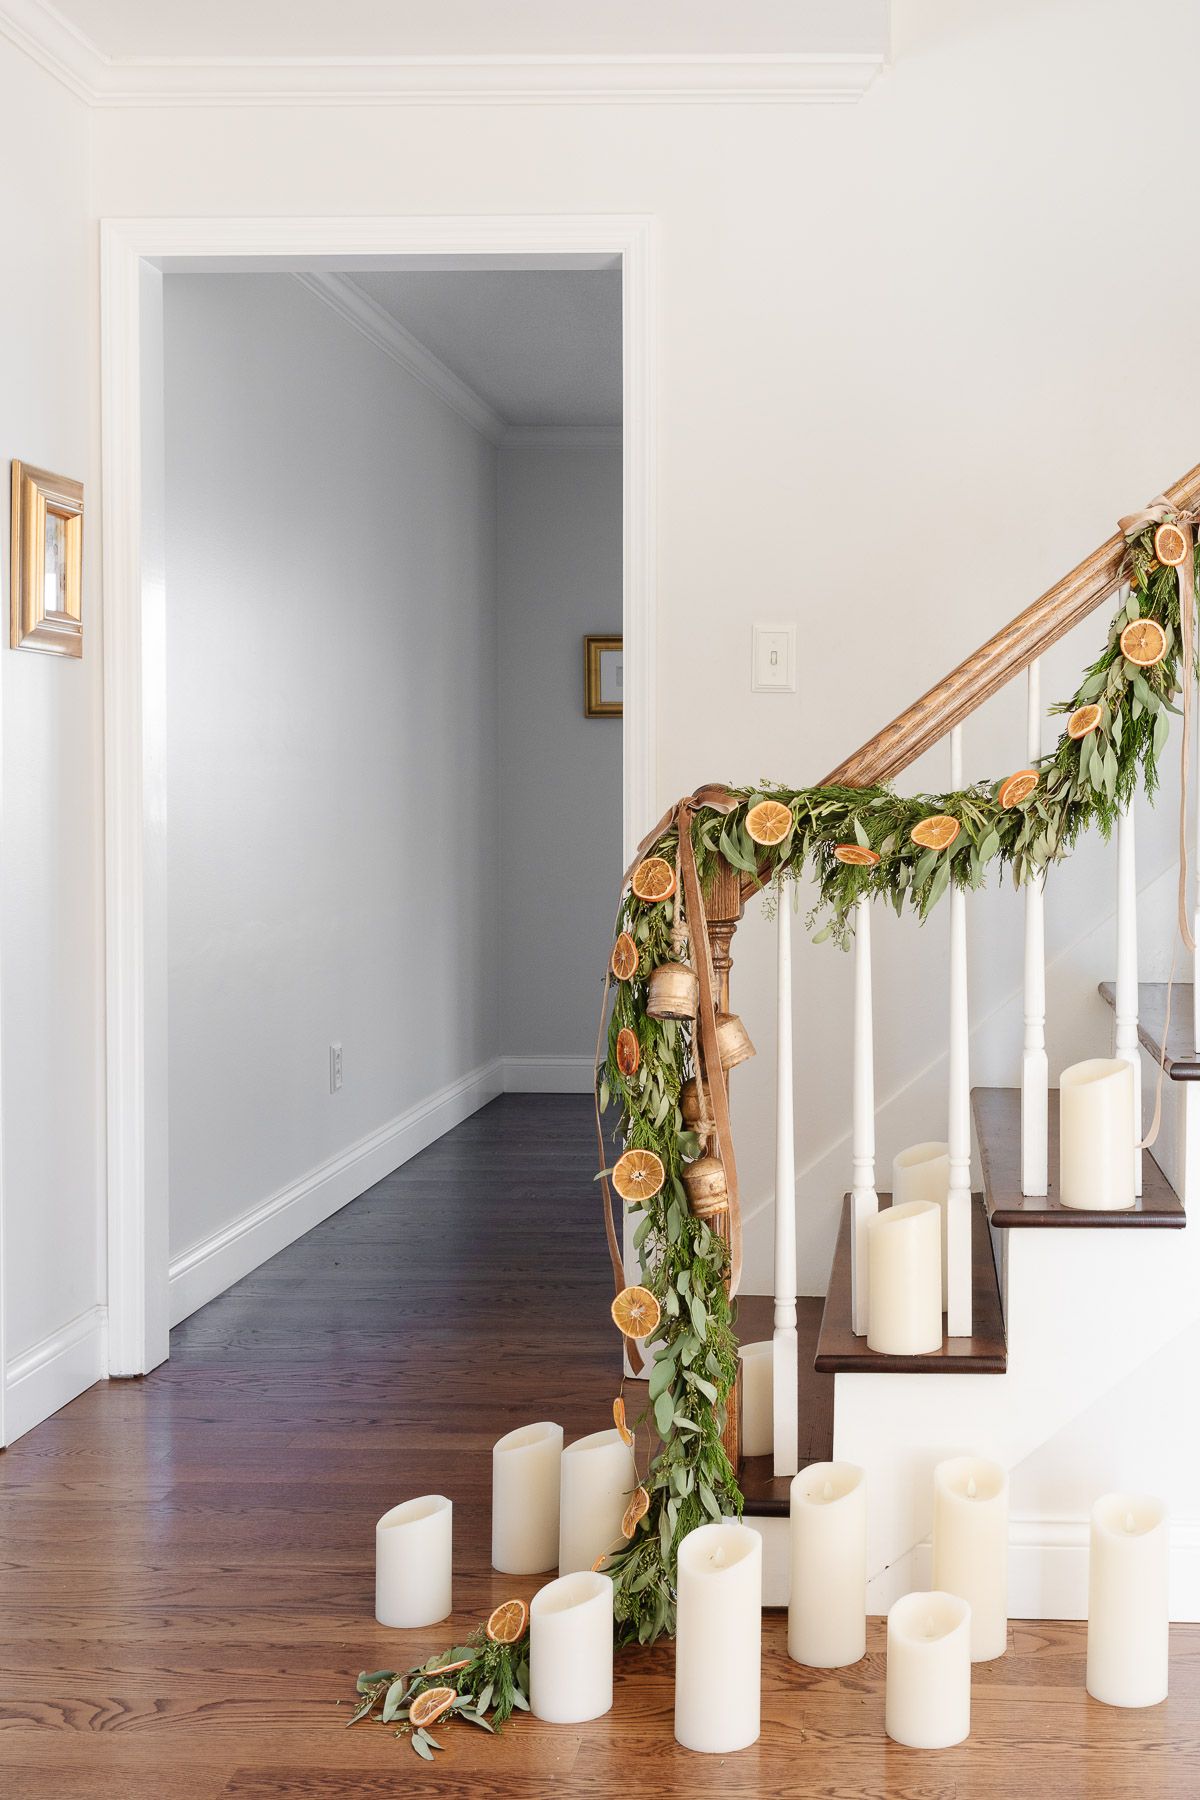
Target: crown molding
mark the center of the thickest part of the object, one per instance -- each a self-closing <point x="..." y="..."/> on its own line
<point x="561" y="437"/>
<point x="791" y="78"/>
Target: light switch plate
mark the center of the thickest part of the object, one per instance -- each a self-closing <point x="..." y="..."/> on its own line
<point x="773" y="661"/>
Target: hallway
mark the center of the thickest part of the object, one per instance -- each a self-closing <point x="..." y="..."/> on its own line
<point x="208" y="1532"/>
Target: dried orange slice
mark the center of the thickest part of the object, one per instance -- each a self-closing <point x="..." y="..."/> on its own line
<point x="1170" y="545"/>
<point x="1018" y="787"/>
<point x="431" y="1705"/>
<point x="935" y="833"/>
<point x="625" y="958"/>
<point x="449" y="1668"/>
<point x="635" y="1512"/>
<point x="628" y="1053"/>
<point x="600" y="1562"/>
<point x="654" y="879"/>
<point x="508" y="1622"/>
<point x="635" y="1311"/>
<point x="769" y="822"/>
<point x="619" y="1420"/>
<point x="1083" y="720"/>
<point x="638" y="1175"/>
<point x="1144" y="642"/>
<point x="857" y="855"/>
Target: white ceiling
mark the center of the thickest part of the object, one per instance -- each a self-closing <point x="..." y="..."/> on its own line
<point x="539" y="347"/>
<point x="221" y="29"/>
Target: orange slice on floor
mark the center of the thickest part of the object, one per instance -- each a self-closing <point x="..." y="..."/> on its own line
<point x="625" y="958"/>
<point x="1083" y="720"/>
<point x="635" y="1512"/>
<point x="936" y="833"/>
<point x="857" y="855"/>
<point x="619" y="1422"/>
<point x="769" y="822"/>
<point x="431" y="1705"/>
<point x="508" y="1622"/>
<point x="1018" y="787"/>
<point x="638" y="1175"/>
<point x="635" y="1311"/>
<point x="1144" y="642"/>
<point x="627" y="1052"/>
<point x="1170" y="545"/>
<point x="654" y="879"/>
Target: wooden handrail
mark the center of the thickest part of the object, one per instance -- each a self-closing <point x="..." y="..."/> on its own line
<point x="1012" y="649"/>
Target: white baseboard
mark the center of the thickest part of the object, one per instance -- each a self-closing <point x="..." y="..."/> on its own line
<point x="55" y="1371"/>
<point x="208" y="1268"/>
<point x="548" y="1074"/>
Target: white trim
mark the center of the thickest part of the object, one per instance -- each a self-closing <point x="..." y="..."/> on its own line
<point x="214" y="1264"/>
<point x="561" y="437"/>
<point x="788" y="77"/>
<point x="388" y="335"/>
<point x="56" y="1370"/>
<point x="135" y="902"/>
<point x="548" y="1075"/>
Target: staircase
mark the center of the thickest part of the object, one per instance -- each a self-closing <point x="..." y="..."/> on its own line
<point x="1065" y="1328"/>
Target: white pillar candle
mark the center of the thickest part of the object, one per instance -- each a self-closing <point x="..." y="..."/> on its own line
<point x="1127" y="1601"/>
<point x="718" y="1642"/>
<point x="597" y="1480"/>
<point x="414" y="1563"/>
<point x="922" y="1172"/>
<point x="1095" y="1135"/>
<point x="525" y="1477"/>
<point x="571" y="1648"/>
<point x="928" y="1703"/>
<point x="904" y="1256"/>
<point x="827" y="1612"/>
<point x="970" y="1546"/>
<point x="758" y="1398"/>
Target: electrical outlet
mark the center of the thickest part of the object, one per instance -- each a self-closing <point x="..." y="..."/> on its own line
<point x="335" y="1067"/>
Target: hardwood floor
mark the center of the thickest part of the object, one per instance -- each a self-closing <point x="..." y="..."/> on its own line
<point x="187" y="1579"/>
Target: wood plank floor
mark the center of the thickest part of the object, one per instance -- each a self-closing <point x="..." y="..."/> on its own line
<point x="186" y="1573"/>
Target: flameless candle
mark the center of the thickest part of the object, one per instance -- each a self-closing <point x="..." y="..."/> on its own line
<point x="922" y="1172"/>
<point x="571" y="1648"/>
<point x="827" y="1612"/>
<point x="904" y="1279"/>
<point x="1095" y="1136"/>
<point x="758" y="1398"/>
<point x="525" y="1478"/>
<point x="970" y="1546"/>
<point x="413" y="1562"/>
<point x="718" y="1642"/>
<point x="596" y="1482"/>
<point x="928" y="1703"/>
<point x="1127" y="1601"/>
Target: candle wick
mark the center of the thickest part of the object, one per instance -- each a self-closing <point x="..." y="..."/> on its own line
<point x="972" y="1490"/>
<point x="827" y="1491"/>
<point x="1129" y="1522"/>
<point x="930" y="1627"/>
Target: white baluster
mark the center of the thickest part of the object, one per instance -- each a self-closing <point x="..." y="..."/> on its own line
<point x="786" y="1399"/>
<point x="864" y="1200"/>
<point x="958" y="1205"/>
<point x="1034" y="1070"/>
<point x="1126" y="1038"/>
<point x="1196" y="876"/>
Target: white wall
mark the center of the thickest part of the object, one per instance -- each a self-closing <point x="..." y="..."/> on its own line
<point x="51" y="945"/>
<point x="559" y="578"/>
<point x="332" y="767"/>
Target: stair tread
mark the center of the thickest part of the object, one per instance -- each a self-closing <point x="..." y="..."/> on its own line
<point x="985" y="1352"/>
<point x="1182" y="1062"/>
<point x="998" y="1128"/>
<point x="765" y="1494"/>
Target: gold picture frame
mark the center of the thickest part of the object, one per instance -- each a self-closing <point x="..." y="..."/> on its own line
<point x="46" y="572"/>
<point x="603" y="677"/>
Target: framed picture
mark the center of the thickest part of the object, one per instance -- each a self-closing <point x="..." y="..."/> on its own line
<point x="603" y="677"/>
<point x="47" y="562"/>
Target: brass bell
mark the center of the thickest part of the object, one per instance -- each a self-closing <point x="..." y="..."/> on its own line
<point x="695" y="1111"/>
<point x="705" y="1186"/>
<point x="733" y="1041"/>
<point x="673" y="992"/>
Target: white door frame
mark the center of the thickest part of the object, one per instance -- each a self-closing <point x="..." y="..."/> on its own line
<point x="133" y="252"/>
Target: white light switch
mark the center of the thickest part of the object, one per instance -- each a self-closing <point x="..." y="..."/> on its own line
<point x="773" y="665"/>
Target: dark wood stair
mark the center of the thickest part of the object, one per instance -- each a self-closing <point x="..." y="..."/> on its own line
<point x="998" y="1129"/>
<point x="1182" y="1062"/>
